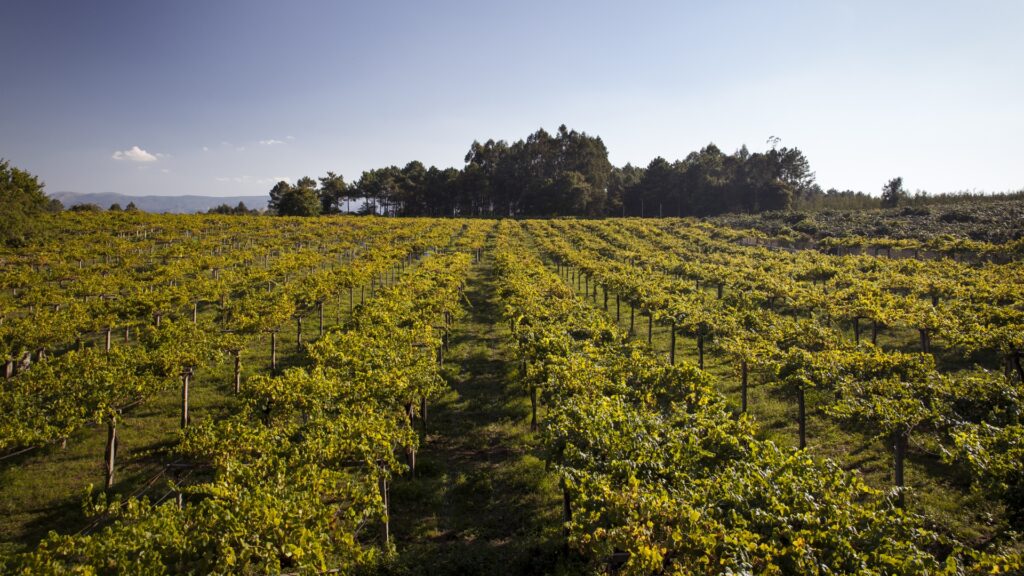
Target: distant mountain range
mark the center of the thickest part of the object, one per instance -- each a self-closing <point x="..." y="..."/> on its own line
<point x="160" y="204"/>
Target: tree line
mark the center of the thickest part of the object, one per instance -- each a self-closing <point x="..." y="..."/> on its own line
<point x="563" y="174"/>
<point x="22" y="203"/>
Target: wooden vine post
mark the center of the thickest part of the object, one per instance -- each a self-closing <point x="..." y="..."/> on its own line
<point x="186" y="380"/>
<point x="111" y="450"/>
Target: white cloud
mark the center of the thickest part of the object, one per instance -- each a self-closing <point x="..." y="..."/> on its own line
<point x="136" y="154"/>
<point x="206" y="148"/>
<point x="271" y="142"/>
<point x="165" y="171"/>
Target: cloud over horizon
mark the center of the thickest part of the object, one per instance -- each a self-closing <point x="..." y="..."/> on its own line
<point x="134" y="154"/>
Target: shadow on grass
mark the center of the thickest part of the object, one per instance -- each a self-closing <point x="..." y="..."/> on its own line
<point x="482" y="501"/>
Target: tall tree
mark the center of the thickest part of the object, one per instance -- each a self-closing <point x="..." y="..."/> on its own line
<point x="893" y="192"/>
<point x="302" y="199"/>
<point x="654" y="190"/>
<point x="410" y="189"/>
<point x="332" y="191"/>
<point x="22" y="203"/>
<point x="277" y="193"/>
<point x="621" y="182"/>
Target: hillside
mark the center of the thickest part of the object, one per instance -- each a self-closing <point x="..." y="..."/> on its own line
<point x="159" y="204"/>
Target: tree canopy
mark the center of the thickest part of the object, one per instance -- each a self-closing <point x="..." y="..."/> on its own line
<point x="302" y="199"/>
<point x="566" y="173"/>
<point x="22" y="202"/>
<point x="893" y="192"/>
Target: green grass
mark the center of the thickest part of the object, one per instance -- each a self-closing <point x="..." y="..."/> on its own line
<point x="482" y="501"/>
<point x="43" y="490"/>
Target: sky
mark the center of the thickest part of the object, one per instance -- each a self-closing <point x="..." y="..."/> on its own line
<point x="225" y="98"/>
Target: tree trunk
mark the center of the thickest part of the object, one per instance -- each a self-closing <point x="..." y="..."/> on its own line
<point x="298" y="333"/>
<point x="617" y="309"/>
<point x="874" y="332"/>
<point x="632" y="314"/>
<point x="111" y="451"/>
<point x="856" y="330"/>
<point x="195" y="312"/>
<point x="925" y="340"/>
<point x="127" y="333"/>
<point x="106" y="339"/>
<point x="605" y="292"/>
<point x="321" y="305"/>
<point x="650" y="328"/>
<point x="719" y="290"/>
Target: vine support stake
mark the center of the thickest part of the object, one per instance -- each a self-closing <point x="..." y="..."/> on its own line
<point x="111" y="451"/>
<point x="186" y="378"/>
<point x="273" y="350"/>
<point x="672" y="346"/>
<point x="743" y="386"/>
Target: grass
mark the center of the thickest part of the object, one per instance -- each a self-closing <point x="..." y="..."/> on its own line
<point x="482" y="501"/>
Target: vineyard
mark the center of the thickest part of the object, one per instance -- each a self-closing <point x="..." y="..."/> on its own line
<point x="209" y="394"/>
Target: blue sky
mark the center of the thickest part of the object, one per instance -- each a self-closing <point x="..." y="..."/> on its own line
<point x="224" y="98"/>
